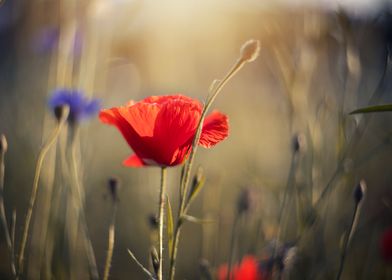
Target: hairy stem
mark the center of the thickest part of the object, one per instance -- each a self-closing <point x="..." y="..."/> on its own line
<point x="162" y="197"/>
<point x="110" y="243"/>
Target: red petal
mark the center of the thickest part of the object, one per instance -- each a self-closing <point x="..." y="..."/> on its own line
<point x="134" y="161"/>
<point x="215" y="129"/>
<point x="134" y="124"/>
<point x="175" y="127"/>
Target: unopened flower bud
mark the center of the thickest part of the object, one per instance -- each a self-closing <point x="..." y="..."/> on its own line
<point x="250" y="50"/>
<point x="113" y="185"/>
<point x="153" y="221"/>
<point x="3" y="144"/>
<point x="244" y="201"/>
<point x="359" y="191"/>
<point x="205" y="269"/>
<point x="298" y="143"/>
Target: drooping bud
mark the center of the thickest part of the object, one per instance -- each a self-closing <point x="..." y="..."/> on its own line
<point x="359" y="191"/>
<point x="250" y="50"/>
<point x="3" y="144"/>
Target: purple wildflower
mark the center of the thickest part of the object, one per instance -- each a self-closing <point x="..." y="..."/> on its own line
<point x="80" y="107"/>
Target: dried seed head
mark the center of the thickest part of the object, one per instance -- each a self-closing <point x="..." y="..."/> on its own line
<point x="250" y="50"/>
<point x="154" y="259"/>
<point x="3" y="144"/>
<point x="61" y="112"/>
<point x="359" y="191"/>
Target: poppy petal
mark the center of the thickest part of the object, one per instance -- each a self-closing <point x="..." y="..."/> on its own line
<point x="133" y="161"/>
<point x="174" y="129"/>
<point x="215" y="129"/>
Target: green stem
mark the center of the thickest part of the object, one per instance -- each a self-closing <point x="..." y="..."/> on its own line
<point x="110" y="243"/>
<point x="44" y="150"/>
<point x="347" y="239"/>
<point x="162" y="197"/>
<point x="188" y="165"/>
<point x="232" y="246"/>
<point x="290" y="182"/>
<point x="3" y="217"/>
<point x="78" y="198"/>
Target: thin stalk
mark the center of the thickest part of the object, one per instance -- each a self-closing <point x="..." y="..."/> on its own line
<point x="162" y="198"/>
<point x="110" y="242"/>
<point x="188" y="165"/>
<point x="232" y="245"/>
<point x="78" y="198"/>
<point x="3" y="217"/>
<point x="289" y="184"/>
<point x="347" y="239"/>
<point x="44" y="150"/>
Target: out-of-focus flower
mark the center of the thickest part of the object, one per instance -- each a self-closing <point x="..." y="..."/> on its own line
<point x="386" y="245"/>
<point x="248" y="269"/>
<point x="47" y="39"/>
<point x="160" y="129"/>
<point x="80" y="107"/>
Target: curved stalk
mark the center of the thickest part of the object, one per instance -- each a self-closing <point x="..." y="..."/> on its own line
<point x="44" y="150"/>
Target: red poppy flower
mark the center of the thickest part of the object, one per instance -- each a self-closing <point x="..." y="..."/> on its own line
<point x="386" y="245"/>
<point x="247" y="270"/>
<point x="160" y="129"/>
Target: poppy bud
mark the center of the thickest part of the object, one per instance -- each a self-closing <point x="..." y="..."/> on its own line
<point x="3" y="144"/>
<point x="154" y="259"/>
<point x="153" y="221"/>
<point x="298" y="143"/>
<point x="359" y="191"/>
<point x="205" y="269"/>
<point x="250" y="50"/>
<point x="244" y="201"/>
<point x="113" y="185"/>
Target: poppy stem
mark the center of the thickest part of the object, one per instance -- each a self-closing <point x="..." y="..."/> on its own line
<point x="348" y="237"/>
<point x="184" y="188"/>
<point x="110" y="242"/>
<point x="232" y="246"/>
<point x="44" y="150"/>
<point x="2" y="213"/>
<point x="78" y="200"/>
<point x="162" y="198"/>
<point x="290" y="182"/>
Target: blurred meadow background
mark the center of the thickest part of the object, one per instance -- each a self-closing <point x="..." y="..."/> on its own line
<point x="289" y="126"/>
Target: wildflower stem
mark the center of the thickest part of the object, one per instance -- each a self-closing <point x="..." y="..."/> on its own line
<point x="347" y="238"/>
<point x="44" y="150"/>
<point x="232" y="245"/>
<point x="290" y="182"/>
<point x="3" y="217"/>
<point x="78" y="199"/>
<point x="110" y="242"/>
<point x="188" y="165"/>
<point x="162" y="197"/>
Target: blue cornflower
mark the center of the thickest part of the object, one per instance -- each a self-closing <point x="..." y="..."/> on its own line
<point x="80" y="107"/>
